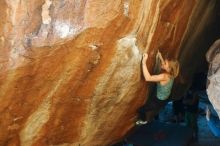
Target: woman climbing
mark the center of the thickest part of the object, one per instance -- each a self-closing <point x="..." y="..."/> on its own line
<point x="164" y="80"/>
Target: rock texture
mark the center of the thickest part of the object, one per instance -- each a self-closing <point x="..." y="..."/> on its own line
<point x="201" y="33"/>
<point x="213" y="86"/>
<point x="70" y="69"/>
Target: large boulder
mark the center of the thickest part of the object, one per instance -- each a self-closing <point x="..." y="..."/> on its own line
<point x="70" y="70"/>
<point x="213" y="85"/>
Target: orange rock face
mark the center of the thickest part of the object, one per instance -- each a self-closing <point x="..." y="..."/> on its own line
<point x="70" y="70"/>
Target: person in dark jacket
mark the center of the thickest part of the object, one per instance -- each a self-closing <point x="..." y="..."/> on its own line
<point x="191" y="103"/>
<point x="178" y="110"/>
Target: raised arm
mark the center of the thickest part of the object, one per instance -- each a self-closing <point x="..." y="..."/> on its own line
<point x="147" y="75"/>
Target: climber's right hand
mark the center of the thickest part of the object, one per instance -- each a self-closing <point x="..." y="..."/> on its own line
<point x="145" y="56"/>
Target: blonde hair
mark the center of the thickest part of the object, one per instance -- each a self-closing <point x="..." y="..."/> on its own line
<point x="174" y="67"/>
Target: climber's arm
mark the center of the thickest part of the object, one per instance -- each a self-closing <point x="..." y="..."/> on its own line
<point x="147" y="75"/>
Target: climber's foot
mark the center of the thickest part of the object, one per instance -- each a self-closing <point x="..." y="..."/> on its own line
<point x="141" y="122"/>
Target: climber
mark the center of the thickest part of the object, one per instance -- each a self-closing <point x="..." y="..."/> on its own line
<point x="164" y="80"/>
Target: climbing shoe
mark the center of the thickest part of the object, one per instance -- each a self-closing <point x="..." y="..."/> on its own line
<point x="141" y="122"/>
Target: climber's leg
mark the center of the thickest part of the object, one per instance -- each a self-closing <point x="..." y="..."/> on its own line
<point x="154" y="104"/>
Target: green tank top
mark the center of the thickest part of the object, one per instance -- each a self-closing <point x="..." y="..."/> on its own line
<point x="163" y="91"/>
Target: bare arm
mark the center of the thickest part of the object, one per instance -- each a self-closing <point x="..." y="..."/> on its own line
<point x="147" y="75"/>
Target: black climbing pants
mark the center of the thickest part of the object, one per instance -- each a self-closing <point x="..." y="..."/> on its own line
<point x="151" y="105"/>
